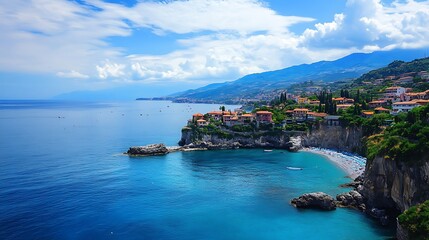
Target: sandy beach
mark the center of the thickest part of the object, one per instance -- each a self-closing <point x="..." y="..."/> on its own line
<point x="353" y="165"/>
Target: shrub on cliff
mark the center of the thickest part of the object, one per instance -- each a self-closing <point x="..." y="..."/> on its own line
<point x="406" y="141"/>
<point x="242" y="128"/>
<point x="416" y="221"/>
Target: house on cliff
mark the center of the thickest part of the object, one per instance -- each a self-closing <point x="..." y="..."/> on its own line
<point x="197" y="116"/>
<point x="264" y="117"/>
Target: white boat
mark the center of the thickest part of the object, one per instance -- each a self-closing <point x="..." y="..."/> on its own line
<point x="294" y="168"/>
<point x="268" y="150"/>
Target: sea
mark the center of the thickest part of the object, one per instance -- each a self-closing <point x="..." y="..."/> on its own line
<point x="63" y="175"/>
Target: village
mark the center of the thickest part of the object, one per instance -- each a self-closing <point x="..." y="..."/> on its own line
<point x="301" y="109"/>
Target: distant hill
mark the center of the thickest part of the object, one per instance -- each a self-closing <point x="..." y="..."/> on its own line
<point x="396" y="68"/>
<point x="349" y="67"/>
<point x="128" y="92"/>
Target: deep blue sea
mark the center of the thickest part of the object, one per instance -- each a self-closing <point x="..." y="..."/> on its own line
<point x="62" y="176"/>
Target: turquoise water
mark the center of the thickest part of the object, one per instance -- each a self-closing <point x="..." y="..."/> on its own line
<point x="62" y="177"/>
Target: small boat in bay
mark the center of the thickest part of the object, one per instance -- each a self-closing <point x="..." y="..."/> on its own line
<point x="268" y="150"/>
<point x="294" y="168"/>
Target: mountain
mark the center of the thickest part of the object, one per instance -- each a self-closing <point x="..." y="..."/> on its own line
<point x="250" y="86"/>
<point x="128" y="92"/>
<point x="396" y="68"/>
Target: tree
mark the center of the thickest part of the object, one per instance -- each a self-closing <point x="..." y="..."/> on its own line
<point x="357" y="98"/>
<point x="346" y="94"/>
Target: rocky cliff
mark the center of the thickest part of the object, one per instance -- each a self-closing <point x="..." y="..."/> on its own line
<point x="229" y="140"/>
<point x="348" y="139"/>
<point x="148" y="150"/>
<point x="394" y="185"/>
<point x="389" y="187"/>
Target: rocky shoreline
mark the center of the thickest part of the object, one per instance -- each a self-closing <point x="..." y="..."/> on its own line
<point x="353" y="199"/>
<point x="159" y="149"/>
<point x="293" y="145"/>
<point x="371" y="194"/>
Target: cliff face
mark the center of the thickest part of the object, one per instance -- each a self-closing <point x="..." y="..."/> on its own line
<point x="280" y="140"/>
<point x="395" y="186"/>
<point x="335" y="137"/>
<point x="387" y="184"/>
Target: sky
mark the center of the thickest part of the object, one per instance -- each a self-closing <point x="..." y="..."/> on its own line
<point x="50" y="47"/>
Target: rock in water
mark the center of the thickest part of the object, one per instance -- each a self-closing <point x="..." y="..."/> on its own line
<point x="148" y="150"/>
<point x="351" y="199"/>
<point x="318" y="200"/>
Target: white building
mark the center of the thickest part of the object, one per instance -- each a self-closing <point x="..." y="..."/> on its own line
<point x="403" y="107"/>
<point x="392" y="92"/>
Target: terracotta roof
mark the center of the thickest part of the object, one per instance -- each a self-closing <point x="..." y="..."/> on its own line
<point x="198" y="115"/>
<point x="301" y="109"/>
<point x="377" y="101"/>
<point x="317" y="114"/>
<point x="393" y="88"/>
<point x="201" y="120"/>
<point x="215" y="113"/>
<point x="264" y="113"/>
<point x="404" y="103"/>
<point x="368" y="113"/>
<point x="421" y="101"/>
<point x="381" y="109"/>
<point x="247" y="115"/>
<point x="344" y="105"/>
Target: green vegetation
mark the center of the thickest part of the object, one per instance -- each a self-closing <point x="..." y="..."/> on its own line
<point x="396" y="68"/>
<point x="297" y="127"/>
<point x="325" y="98"/>
<point x="243" y="128"/>
<point x="416" y="221"/>
<point x="209" y="129"/>
<point x="407" y="140"/>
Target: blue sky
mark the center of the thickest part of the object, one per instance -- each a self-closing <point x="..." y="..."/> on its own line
<point x="50" y="47"/>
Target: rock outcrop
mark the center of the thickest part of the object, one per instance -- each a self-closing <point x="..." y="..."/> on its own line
<point x="401" y="232"/>
<point x="348" y="139"/>
<point x="148" y="150"/>
<point x="351" y="199"/>
<point x="320" y="200"/>
<point x="317" y="200"/>
<point x="393" y="186"/>
<point x="263" y="139"/>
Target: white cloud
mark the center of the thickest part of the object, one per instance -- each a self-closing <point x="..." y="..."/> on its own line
<point x="110" y="70"/>
<point x="371" y="25"/>
<point x="55" y="36"/>
<point x="72" y="74"/>
<point x="244" y="16"/>
<point x="230" y="38"/>
<point x="221" y="56"/>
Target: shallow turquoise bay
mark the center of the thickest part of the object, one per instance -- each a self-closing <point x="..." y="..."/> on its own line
<point x="62" y="177"/>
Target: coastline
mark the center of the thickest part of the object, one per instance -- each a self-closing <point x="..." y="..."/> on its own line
<point x="353" y="165"/>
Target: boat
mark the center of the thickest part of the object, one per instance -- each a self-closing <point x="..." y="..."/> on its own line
<point x="268" y="150"/>
<point x="294" y="168"/>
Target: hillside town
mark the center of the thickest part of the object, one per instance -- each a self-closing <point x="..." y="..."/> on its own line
<point x="307" y="108"/>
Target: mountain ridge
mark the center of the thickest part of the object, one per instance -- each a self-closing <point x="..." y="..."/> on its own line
<point x="249" y="86"/>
